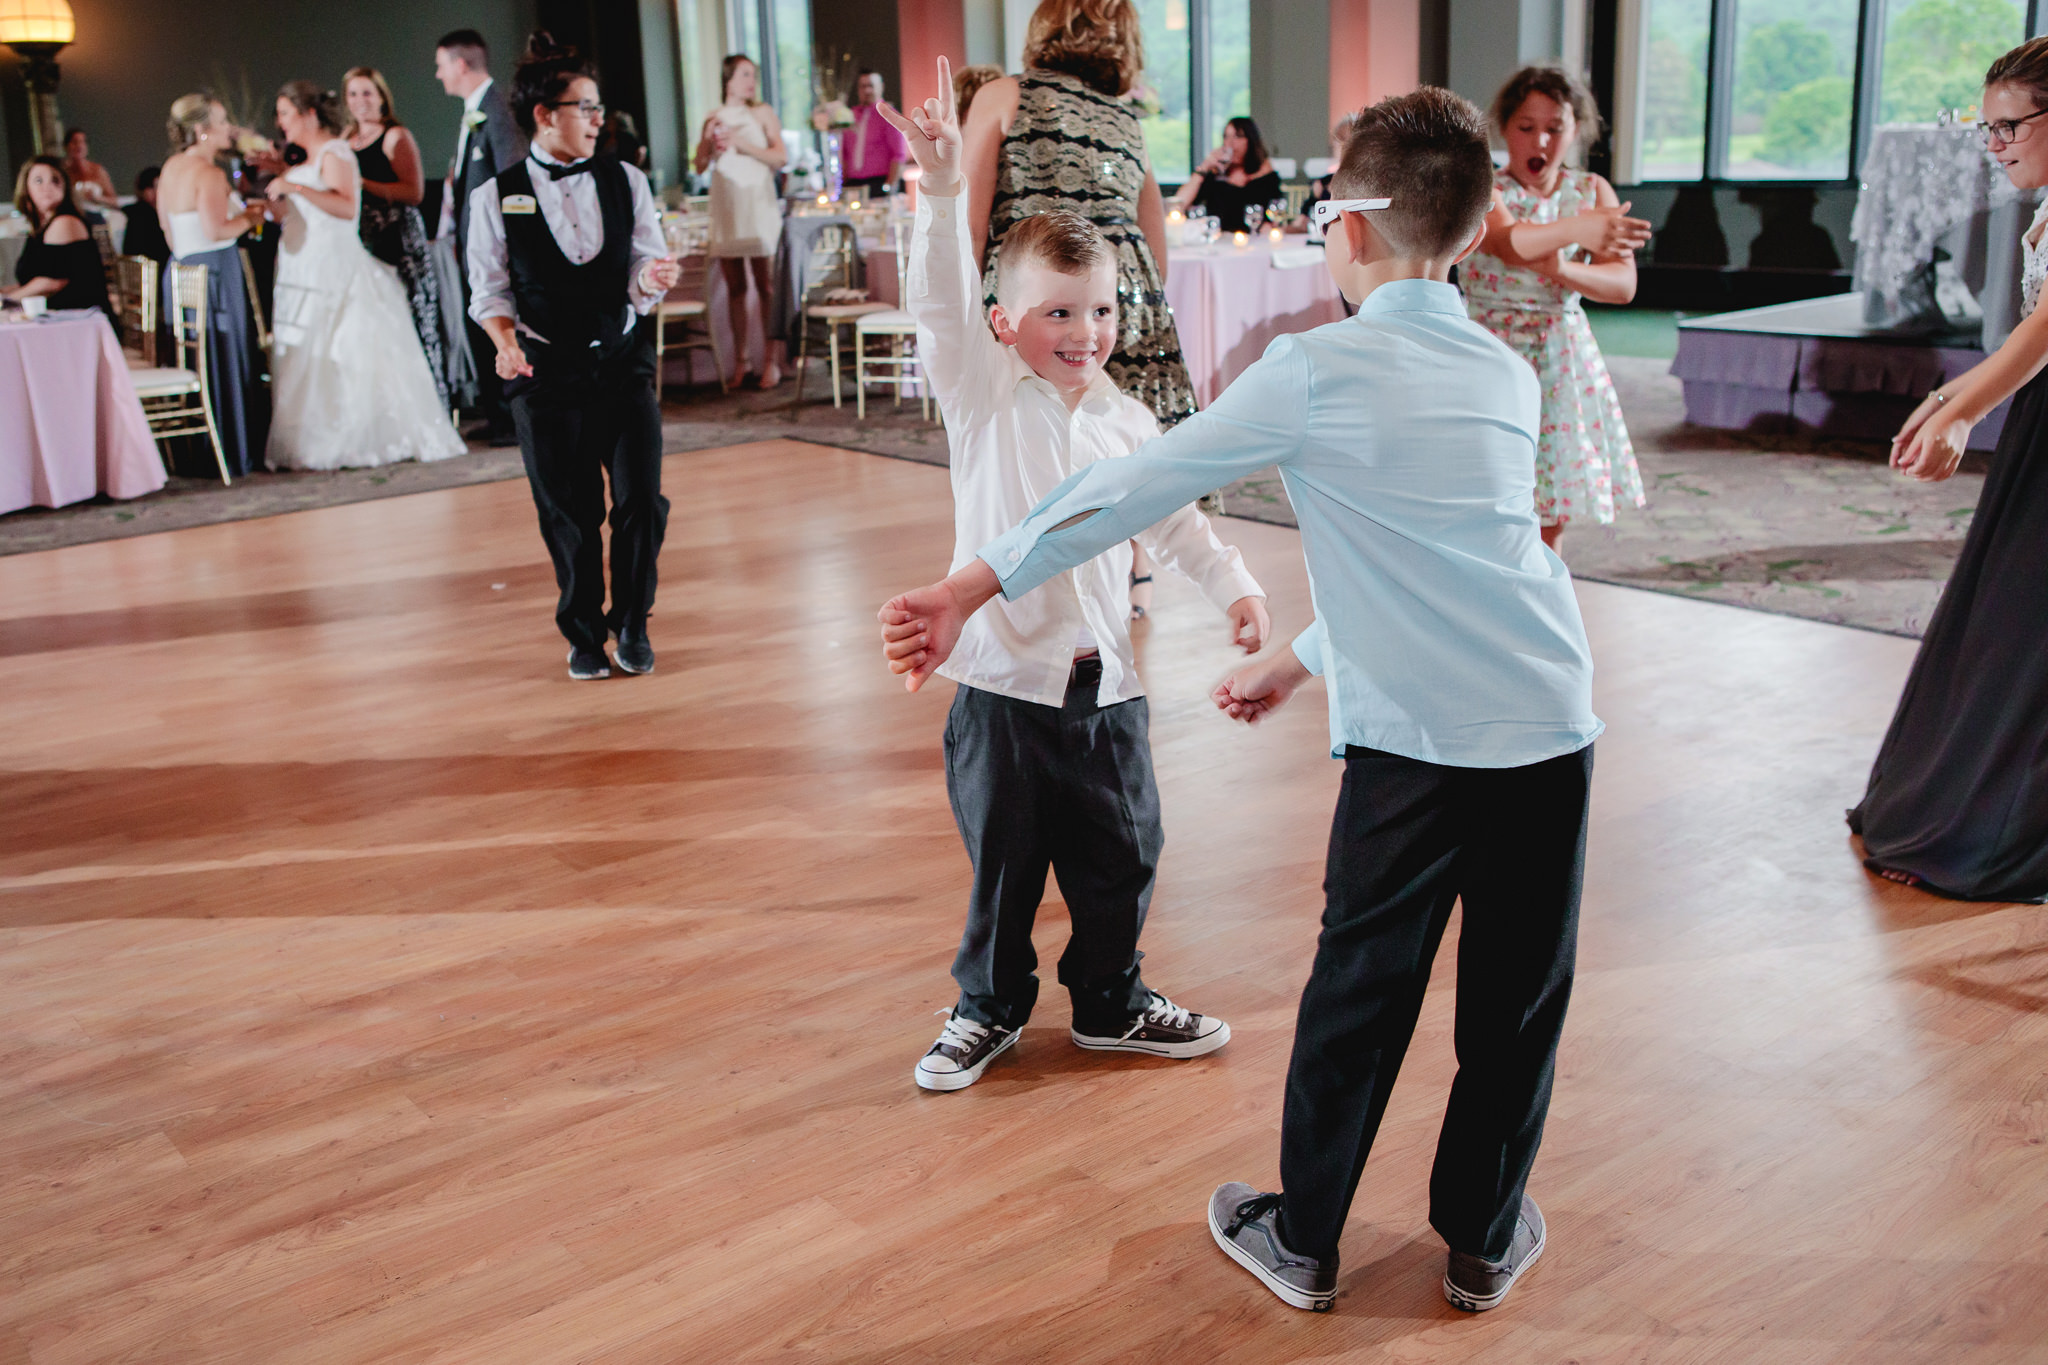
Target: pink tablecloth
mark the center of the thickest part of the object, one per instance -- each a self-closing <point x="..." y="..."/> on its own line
<point x="1229" y="303"/>
<point x="70" y="423"/>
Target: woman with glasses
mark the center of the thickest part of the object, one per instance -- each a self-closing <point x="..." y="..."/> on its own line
<point x="741" y="145"/>
<point x="350" y="384"/>
<point x="1958" y="797"/>
<point x="566" y="257"/>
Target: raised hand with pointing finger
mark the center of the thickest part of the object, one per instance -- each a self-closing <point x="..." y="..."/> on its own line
<point x="933" y="131"/>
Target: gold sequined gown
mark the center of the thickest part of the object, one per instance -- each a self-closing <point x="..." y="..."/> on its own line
<point x="1072" y="147"/>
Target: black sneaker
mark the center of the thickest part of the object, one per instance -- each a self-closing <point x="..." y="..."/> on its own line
<point x="1476" y="1284"/>
<point x="963" y="1052"/>
<point x="585" y="664"/>
<point x="634" y="654"/>
<point x="1161" y="1029"/>
<point x="1246" y="1224"/>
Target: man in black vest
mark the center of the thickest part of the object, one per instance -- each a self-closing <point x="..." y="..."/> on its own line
<point x="488" y="142"/>
<point x="566" y="257"/>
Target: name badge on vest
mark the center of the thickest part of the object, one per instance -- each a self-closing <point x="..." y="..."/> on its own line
<point x="519" y="203"/>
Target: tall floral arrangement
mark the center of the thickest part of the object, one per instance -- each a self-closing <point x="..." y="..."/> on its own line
<point x="832" y="75"/>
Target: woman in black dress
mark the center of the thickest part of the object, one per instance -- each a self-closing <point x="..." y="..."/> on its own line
<point x="1235" y="183"/>
<point x="1958" y="798"/>
<point x="388" y="160"/>
<point x="59" y="261"/>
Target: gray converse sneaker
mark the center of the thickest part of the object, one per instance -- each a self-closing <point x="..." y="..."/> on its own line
<point x="1476" y="1284"/>
<point x="1161" y="1029"/>
<point x="1246" y="1224"/>
<point x="963" y="1052"/>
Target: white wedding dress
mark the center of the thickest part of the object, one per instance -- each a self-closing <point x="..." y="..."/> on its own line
<point x="350" y="385"/>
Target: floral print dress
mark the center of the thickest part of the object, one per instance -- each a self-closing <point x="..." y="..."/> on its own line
<point x="1584" y="462"/>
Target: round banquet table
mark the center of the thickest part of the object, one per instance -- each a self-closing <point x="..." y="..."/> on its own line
<point x="70" y="423"/>
<point x="1229" y="302"/>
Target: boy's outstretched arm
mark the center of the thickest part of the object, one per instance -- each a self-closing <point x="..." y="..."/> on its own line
<point x="920" y="628"/>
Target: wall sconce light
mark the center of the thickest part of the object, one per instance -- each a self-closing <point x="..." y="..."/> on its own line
<point x="38" y="30"/>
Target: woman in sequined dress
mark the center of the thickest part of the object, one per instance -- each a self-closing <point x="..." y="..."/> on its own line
<point x="1061" y="136"/>
<point x="1556" y="234"/>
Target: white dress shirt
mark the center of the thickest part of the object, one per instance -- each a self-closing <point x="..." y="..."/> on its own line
<point x="1406" y="437"/>
<point x="569" y="207"/>
<point x="1013" y="441"/>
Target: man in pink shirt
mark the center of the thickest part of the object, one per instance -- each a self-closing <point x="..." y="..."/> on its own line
<point x="874" y="151"/>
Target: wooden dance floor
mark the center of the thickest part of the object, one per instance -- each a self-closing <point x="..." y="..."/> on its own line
<point x="371" y="992"/>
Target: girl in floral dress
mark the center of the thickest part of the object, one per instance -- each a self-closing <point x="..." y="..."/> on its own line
<point x="1555" y="235"/>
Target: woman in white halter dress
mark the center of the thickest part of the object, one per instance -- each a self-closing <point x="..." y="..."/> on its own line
<point x="351" y="385"/>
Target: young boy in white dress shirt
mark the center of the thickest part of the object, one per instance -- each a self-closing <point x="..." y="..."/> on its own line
<point x="1460" y="693"/>
<point x="1047" y="759"/>
<point x="566" y="255"/>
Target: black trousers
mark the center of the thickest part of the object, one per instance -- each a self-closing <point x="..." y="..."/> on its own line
<point x="1409" y="839"/>
<point x="1070" y="789"/>
<point x="578" y="424"/>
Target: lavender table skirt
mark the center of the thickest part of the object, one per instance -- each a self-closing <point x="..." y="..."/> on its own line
<point x="1766" y="380"/>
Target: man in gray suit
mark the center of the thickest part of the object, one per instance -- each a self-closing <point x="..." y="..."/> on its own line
<point x="490" y="141"/>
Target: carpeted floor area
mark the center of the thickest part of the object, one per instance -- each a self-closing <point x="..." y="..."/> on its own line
<point x="1819" y="529"/>
<point x="1822" y="530"/>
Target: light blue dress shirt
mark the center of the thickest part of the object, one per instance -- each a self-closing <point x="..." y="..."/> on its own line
<point x="1407" y="440"/>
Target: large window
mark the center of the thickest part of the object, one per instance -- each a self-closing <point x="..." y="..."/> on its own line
<point x="1198" y="60"/>
<point x="1674" y="84"/>
<point x="777" y="34"/>
<point x="1789" y="89"/>
<point x="1794" y="90"/>
<point x="1167" y="53"/>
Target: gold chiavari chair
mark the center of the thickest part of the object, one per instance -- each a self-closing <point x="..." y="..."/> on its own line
<point x="135" y="306"/>
<point x="177" y="398"/>
<point x="899" y="366"/>
<point x="255" y="301"/>
<point x="834" y="252"/>
<point x="687" y="305"/>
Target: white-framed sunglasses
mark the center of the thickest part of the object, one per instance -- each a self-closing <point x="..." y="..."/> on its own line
<point x="1324" y="211"/>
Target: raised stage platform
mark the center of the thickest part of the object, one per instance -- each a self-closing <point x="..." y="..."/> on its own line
<point x="1815" y="368"/>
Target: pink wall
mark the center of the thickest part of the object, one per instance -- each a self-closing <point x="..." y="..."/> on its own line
<point x="1375" y="46"/>
<point x="927" y="30"/>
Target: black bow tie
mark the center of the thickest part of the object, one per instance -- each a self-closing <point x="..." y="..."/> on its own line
<point x="558" y="172"/>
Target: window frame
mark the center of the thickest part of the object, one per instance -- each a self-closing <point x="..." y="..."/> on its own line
<point x="1866" y="90"/>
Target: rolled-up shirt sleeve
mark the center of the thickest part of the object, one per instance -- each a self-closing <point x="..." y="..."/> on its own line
<point x="1312" y="646"/>
<point x="1258" y="421"/>
<point x="649" y="244"/>
<point x="490" y="276"/>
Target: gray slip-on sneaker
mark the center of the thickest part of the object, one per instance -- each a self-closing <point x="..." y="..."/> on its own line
<point x="1246" y="1224"/>
<point x="1476" y="1284"/>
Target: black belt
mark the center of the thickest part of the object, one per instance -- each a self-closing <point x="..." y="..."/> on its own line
<point x="1087" y="672"/>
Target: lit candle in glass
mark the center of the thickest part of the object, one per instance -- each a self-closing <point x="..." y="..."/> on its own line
<point x="1241" y="239"/>
<point x="1176" y="227"/>
<point x="1274" y="234"/>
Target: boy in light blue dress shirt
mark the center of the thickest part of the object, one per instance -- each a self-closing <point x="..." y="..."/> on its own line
<point x="1460" y="695"/>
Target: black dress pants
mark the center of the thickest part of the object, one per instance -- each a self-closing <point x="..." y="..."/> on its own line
<point x="1071" y="789"/>
<point x="1409" y="840"/>
<point x="578" y="424"/>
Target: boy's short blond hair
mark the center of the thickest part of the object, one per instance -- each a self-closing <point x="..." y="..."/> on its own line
<point x="1060" y="239"/>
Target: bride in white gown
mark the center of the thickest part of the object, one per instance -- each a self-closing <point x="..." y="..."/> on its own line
<point x="351" y="386"/>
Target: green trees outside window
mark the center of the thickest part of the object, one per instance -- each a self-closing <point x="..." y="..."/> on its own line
<point x="1793" y="73"/>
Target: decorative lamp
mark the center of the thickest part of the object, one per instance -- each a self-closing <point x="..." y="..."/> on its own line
<point x="38" y="30"/>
